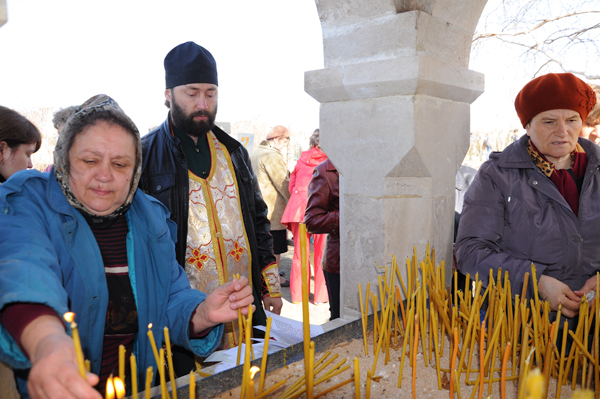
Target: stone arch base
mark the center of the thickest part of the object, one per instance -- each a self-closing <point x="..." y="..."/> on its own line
<point x="395" y="100"/>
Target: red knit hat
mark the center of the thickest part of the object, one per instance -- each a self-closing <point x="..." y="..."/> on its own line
<point x="554" y="91"/>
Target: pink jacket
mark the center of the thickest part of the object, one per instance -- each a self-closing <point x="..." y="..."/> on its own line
<point x="299" y="180"/>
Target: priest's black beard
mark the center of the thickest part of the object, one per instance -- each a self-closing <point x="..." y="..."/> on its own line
<point x="187" y="124"/>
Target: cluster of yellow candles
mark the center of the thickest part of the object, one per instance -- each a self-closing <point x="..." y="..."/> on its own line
<point x="512" y="333"/>
<point x="115" y="386"/>
<point x="306" y="384"/>
<point x="518" y="332"/>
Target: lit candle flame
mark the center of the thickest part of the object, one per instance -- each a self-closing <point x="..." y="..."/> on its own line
<point x="119" y="387"/>
<point x="253" y="371"/>
<point x="110" y="388"/>
<point x="150" y="326"/>
<point x="69" y="317"/>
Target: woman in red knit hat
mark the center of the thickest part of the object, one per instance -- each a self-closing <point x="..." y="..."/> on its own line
<point x="538" y="200"/>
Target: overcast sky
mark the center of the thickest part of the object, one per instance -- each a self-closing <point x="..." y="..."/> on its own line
<point x="61" y="52"/>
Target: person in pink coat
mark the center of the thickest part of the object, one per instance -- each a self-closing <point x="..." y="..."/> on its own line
<point x="294" y="215"/>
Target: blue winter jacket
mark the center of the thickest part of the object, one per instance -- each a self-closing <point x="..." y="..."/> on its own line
<point x="48" y="255"/>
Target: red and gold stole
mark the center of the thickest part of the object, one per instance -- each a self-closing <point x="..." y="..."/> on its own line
<point x="217" y="243"/>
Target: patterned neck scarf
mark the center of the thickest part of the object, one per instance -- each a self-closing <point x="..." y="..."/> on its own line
<point x="563" y="179"/>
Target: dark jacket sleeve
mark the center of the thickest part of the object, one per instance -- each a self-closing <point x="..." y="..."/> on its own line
<point x="320" y="218"/>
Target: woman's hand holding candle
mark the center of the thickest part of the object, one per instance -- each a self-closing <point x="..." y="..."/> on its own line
<point x="221" y="305"/>
<point x="54" y="373"/>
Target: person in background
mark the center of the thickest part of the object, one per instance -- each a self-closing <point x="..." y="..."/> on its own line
<point x="273" y="178"/>
<point x="84" y="239"/>
<point x="537" y="201"/>
<point x="58" y="120"/>
<point x="204" y="177"/>
<point x="294" y="215"/>
<point x="591" y="127"/>
<point x="19" y="138"/>
<point x="322" y="216"/>
<point x="62" y="116"/>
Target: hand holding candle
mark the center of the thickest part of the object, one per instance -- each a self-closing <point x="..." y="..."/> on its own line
<point x="70" y="318"/>
<point x="221" y="305"/>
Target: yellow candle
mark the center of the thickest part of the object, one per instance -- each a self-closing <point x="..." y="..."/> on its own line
<point x="597" y="331"/>
<point x="452" y="361"/>
<point x="161" y="373"/>
<point x="248" y="343"/>
<point x="170" y="363"/>
<point x="149" y="376"/>
<point x="250" y="392"/>
<point x="414" y="360"/>
<point x="310" y="378"/>
<point x="406" y="341"/>
<point x="134" y="387"/>
<point x="375" y="321"/>
<point x="70" y="318"/>
<point x="333" y="388"/>
<point x="305" y="315"/>
<point x="273" y="388"/>
<point x="240" y="331"/>
<point x="192" y="385"/>
<point x="356" y="379"/>
<point x="468" y="333"/>
<point x="153" y="343"/>
<point x="119" y="387"/>
<point x="481" y="358"/>
<point x="562" y="360"/>
<point x="122" y="362"/>
<point x="362" y="318"/>
<point x="369" y="384"/>
<point x="88" y="366"/>
<point x="534" y="281"/>
<point x="516" y="330"/>
<point x="524" y="289"/>
<point x="503" y="371"/>
<point x="263" y="364"/>
<point x="110" y="388"/>
<point x="437" y="350"/>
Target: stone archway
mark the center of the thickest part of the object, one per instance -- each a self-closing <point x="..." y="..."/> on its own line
<point x="395" y="98"/>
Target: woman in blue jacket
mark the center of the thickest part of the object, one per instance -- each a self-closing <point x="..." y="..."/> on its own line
<point x="84" y="239"/>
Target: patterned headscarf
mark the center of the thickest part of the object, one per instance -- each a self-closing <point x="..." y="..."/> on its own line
<point x="98" y="108"/>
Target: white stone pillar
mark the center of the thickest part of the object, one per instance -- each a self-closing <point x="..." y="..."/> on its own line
<point x="3" y="13"/>
<point x="395" y="100"/>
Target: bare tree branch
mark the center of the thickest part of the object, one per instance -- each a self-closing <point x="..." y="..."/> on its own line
<point x="556" y="34"/>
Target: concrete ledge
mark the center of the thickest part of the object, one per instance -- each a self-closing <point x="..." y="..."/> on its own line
<point x="216" y="384"/>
